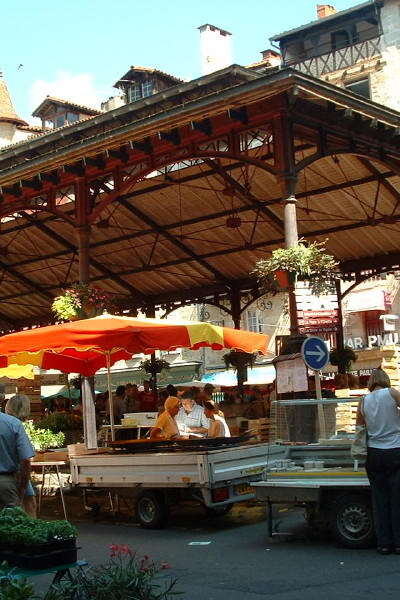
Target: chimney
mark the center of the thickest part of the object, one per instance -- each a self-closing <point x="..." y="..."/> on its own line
<point x="271" y="57"/>
<point x="215" y="48"/>
<point x="325" y="10"/>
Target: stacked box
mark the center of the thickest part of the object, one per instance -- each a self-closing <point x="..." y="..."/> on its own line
<point x="346" y="417"/>
<point x="31" y="388"/>
<point x="390" y="364"/>
<point x="261" y="428"/>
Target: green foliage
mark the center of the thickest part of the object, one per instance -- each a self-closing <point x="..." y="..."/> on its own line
<point x="59" y="421"/>
<point x="155" y="366"/>
<point x="124" y="577"/>
<point x="17" y="529"/>
<point x="14" y="589"/>
<point x="41" y="438"/>
<point x="342" y="358"/>
<point x="81" y="302"/>
<point x="308" y="261"/>
<point x="239" y="360"/>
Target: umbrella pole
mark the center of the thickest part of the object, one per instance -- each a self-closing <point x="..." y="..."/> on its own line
<point x="110" y="402"/>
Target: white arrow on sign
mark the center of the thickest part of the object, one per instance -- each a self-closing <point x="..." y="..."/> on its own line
<point x="319" y="353"/>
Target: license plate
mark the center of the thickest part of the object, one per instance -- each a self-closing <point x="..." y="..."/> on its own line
<point x="243" y="489"/>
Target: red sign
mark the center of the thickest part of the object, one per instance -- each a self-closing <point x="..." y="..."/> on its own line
<point x="318" y="321"/>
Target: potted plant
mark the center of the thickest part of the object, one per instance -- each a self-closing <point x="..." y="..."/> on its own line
<point x="238" y="360"/>
<point x="342" y="359"/>
<point x="43" y="439"/>
<point x="125" y="576"/>
<point x="154" y="366"/>
<point x="305" y="261"/>
<point x="33" y="543"/>
<point x="70" y="424"/>
<point x="81" y="302"/>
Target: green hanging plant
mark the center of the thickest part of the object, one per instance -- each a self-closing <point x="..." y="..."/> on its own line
<point x="305" y="261"/>
<point x="239" y="360"/>
<point x="154" y="366"/>
<point x="342" y="358"/>
<point x="81" y="302"/>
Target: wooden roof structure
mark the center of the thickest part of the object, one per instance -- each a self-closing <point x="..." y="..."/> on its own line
<point x="174" y="197"/>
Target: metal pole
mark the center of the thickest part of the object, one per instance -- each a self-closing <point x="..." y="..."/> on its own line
<point x="110" y="402"/>
<point x="291" y="240"/>
<point x="340" y="332"/>
<point x="321" y="415"/>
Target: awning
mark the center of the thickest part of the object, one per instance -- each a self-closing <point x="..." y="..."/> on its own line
<point x="255" y="376"/>
<point x="176" y="374"/>
<point x="364" y="300"/>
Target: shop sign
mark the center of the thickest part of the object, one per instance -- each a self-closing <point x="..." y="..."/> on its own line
<point x="373" y="341"/>
<point x="318" y="321"/>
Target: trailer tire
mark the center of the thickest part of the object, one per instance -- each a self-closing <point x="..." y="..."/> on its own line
<point x="218" y="511"/>
<point x="152" y="510"/>
<point x="351" y="521"/>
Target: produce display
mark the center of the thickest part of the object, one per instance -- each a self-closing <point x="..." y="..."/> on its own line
<point x="34" y="543"/>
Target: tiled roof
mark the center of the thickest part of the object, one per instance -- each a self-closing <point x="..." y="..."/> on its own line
<point x="7" y="112"/>
<point x="322" y="22"/>
<point x="52" y="100"/>
<point x="149" y="70"/>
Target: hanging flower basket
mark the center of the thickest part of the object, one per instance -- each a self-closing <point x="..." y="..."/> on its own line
<point x="306" y="262"/>
<point x="154" y="366"/>
<point x="239" y="360"/>
<point x="342" y="358"/>
<point x="81" y="302"/>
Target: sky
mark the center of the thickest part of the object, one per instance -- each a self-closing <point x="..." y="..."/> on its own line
<point x="77" y="49"/>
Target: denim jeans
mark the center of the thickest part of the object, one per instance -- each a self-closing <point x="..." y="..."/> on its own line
<point x="383" y="470"/>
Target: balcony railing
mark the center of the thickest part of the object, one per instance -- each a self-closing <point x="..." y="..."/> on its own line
<point x="338" y="59"/>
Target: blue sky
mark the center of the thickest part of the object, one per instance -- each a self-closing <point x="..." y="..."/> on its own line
<point x="79" y="48"/>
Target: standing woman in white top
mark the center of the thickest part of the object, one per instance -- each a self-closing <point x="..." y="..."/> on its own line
<point x="218" y="426"/>
<point x="380" y="412"/>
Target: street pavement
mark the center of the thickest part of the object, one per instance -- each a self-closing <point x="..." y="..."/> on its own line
<point x="242" y="563"/>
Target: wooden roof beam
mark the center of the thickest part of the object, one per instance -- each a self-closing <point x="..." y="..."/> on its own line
<point x="246" y="196"/>
<point x="205" y="218"/>
<point x="187" y="250"/>
<point x="35" y="287"/>
<point x="97" y="265"/>
<point x="386" y="184"/>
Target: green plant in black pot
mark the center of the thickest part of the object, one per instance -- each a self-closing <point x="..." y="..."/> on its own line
<point x="154" y="366"/>
<point x="304" y="261"/>
<point x="342" y="358"/>
<point x="237" y="359"/>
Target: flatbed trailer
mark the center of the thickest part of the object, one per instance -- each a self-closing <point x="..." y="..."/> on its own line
<point x="156" y="480"/>
<point x="334" y="499"/>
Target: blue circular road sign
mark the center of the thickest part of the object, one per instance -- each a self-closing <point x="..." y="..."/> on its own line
<point x="315" y="353"/>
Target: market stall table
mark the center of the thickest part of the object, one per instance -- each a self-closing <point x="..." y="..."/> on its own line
<point x="50" y="468"/>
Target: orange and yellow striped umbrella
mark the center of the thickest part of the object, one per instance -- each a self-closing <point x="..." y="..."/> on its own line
<point x="88" y="345"/>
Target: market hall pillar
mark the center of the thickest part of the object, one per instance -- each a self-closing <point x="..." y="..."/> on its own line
<point x="287" y="178"/>
<point x="87" y="383"/>
<point x="236" y="314"/>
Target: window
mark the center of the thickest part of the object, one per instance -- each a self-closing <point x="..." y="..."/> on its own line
<point x="253" y="322"/>
<point x="340" y="39"/>
<point x="134" y="92"/>
<point x="139" y="90"/>
<point x="147" y="88"/>
<point x="360" y="87"/>
<point x="72" y="117"/>
<point x="60" y="121"/>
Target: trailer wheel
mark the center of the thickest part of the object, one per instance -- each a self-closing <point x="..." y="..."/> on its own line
<point x="218" y="511"/>
<point x="351" y="521"/>
<point x="151" y="510"/>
